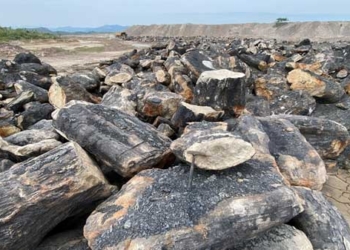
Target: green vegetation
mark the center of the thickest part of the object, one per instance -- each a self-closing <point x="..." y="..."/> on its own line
<point x="8" y="34"/>
<point x="281" y="21"/>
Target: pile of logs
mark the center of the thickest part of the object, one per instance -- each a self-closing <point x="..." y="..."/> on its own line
<point x="190" y="144"/>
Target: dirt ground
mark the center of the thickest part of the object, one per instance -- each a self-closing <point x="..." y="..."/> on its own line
<point x="72" y="53"/>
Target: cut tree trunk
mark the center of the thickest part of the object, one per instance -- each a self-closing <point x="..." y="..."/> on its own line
<point x="38" y="194"/>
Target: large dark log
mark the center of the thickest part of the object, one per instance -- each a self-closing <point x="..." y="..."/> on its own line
<point x="283" y="237"/>
<point x="38" y="194"/>
<point x="329" y="138"/>
<point x="298" y="161"/>
<point x="118" y="140"/>
<point x="322" y="222"/>
<point x="155" y="210"/>
<point x="221" y="90"/>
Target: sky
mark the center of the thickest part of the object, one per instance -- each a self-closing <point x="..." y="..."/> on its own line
<point x="94" y="13"/>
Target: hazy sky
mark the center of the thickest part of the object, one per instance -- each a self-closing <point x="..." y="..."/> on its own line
<point x="53" y="13"/>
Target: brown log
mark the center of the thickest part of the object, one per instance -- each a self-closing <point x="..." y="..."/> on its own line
<point x="321" y="222"/>
<point x="221" y="90"/>
<point x="38" y="194"/>
<point x="118" y="140"/>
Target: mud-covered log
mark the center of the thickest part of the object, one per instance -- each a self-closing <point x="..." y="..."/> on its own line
<point x="116" y="139"/>
<point x="298" y="161"/>
<point x="329" y="138"/>
<point x="221" y="90"/>
<point x="155" y="210"/>
<point x="38" y="194"/>
<point x="325" y="89"/>
<point x="214" y="149"/>
<point x="192" y="113"/>
<point x="64" y="90"/>
<point x="321" y="222"/>
<point x="283" y="237"/>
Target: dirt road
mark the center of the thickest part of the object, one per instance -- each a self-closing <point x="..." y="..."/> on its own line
<point x="72" y="53"/>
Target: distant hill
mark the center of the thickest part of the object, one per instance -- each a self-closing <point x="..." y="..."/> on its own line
<point x="102" y="29"/>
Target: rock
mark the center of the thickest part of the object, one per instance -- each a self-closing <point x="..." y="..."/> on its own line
<point x="321" y="222"/>
<point x="116" y="139"/>
<point x="44" y="125"/>
<point x="41" y="69"/>
<point x="5" y="164"/>
<point x="121" y="99"/>
<point x="35" y="185"/>
<point x="315" y="85"/>
<point x="8" y="127"/>
<point x="192" y="113"/>
<point x="271" y="86"/>
<point x="166" y="130"/>
<point x="89" y="81"/>
<point x="34" y="113"/>
<point x="197" y="63"/>
<point x="40" y="94"/>
<point x="221" y="90"/>
<point x="154" y="210"/>
<point x="257" y="106"/>
<point x="99" y="73"/>
<point x="162" y="75"/>
<point x="119" y="74"/>
<point x="162" y="104"/>
<point x="31" y="136"/>
<point x="283" y="237"/>
<point x="342" y="74"/>
<point x="64" y="90"/>
<point x="329" y="138"/>
<point x="17" y="104"/>
<point x="215" y="149"/>
<point x="297" y="160"/>
<point x="316" y="68"/>
<point x="36" y="79"/>
<point x="26" y="57"/>
<point x="334" y="113"/>
<point x="70" y="240"/>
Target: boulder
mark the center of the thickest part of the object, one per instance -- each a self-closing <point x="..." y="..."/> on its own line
<point x="155" y="210"/>
<point x="53" y="189"/>
<point x="119" y="74"/>
<point x="221" y="90"/>
<point x="214" y="149"/>
<point x="321" y="222"/>
<point x="333" y="112"/>
<point x="283" y="237"/>
<point x="89" y="81"/>
<point x="197" y="63"/>
<point x="36" y="79"/>
<point x="26" y="57"/>
<point x="116" y="139"/>
<point x="16" y="105"/>
<point x="327" y="90"/>
<point x="34" y="113"/>
<point x="297" y="160"/>
<point x="64" y="90"/>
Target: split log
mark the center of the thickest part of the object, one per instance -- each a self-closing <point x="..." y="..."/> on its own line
<point x="34" y="113"/>
<point x="321" y="222"/>
<point x="121" y="99"/>
<point x="283" y="237"/>
<point x="222" y="209"/>
<point x="35" y="185"/>
<point x="118" y="140"/>
<point x="40" y="94"/>
<point x="221" y="90"/>
<point x="64" y="90"/>
<point x="191" y="113"/>
<point x="315" y="85"/>
<point x="329" y="138"/>
<point x="298" y="161"/>
<point x="215" y="149"/>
